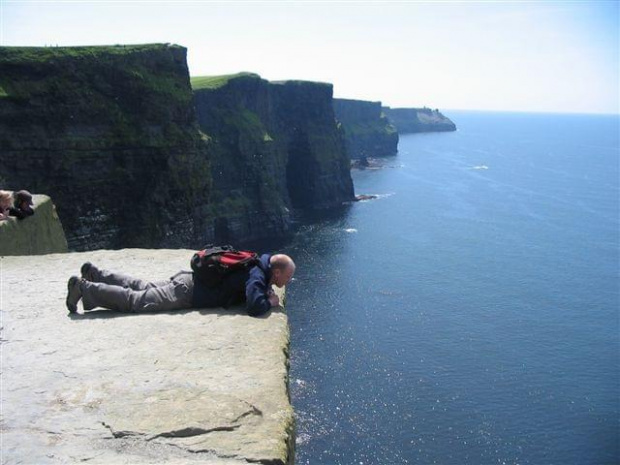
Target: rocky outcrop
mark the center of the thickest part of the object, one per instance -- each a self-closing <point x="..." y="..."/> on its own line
<point x="275" y="147"/>
<point x="38" y="234"/>
<point x="409" y="120"/>
<point x="184" y="387"/>
<point x="368" y="133"/>
<point x="110" y="134"/>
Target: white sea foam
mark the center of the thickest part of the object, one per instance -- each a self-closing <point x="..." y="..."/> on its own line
<point x="351" y="230"/>
<point x="302" y="438"/>
<point x="480" y="167"/>
<point x="374" y="197"/>
<point x="381" y="196"/>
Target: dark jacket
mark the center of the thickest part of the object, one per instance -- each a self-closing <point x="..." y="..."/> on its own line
<point x="253" y="287"/>
<point x="19" y="213"/>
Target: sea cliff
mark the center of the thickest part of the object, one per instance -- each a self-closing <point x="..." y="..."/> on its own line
<point x="408" y="120"/>
<point x="112" y="134"/>
<point x="368" y="133"/>
<point x="248" y="167"/>
<point x="275" y="147"/>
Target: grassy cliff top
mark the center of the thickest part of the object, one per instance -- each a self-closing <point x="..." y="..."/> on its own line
<point x="42" y="54"/>
<point x="356" y="101"/>
<point x="215" y="82"/>
<point x="298" y="82"/>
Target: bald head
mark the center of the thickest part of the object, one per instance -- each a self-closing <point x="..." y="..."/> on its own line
<point x="282" y="269"/>
<point x="281" y="262"/>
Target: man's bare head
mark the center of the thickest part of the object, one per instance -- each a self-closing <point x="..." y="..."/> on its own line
<point x="282" y="269"/>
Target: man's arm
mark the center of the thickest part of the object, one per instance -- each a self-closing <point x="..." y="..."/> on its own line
<point x="256" y="293"/>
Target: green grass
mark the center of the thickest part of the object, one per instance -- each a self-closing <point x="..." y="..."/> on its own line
<point x="299" y="83"/>
<point x="372" y="128"/>
<point x="245" y="121"/>
<point x="215" y="82"/>
<point x="43" y="54"/>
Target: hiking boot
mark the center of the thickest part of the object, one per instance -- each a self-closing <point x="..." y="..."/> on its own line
<point x="89" y="272"/>
<point x="74" y="293"/>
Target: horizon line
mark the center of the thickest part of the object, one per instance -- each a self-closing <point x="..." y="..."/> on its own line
<point x="542" y="112"/>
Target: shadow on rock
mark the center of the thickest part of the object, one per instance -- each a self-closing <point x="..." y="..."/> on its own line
<point x="103" y="313"/>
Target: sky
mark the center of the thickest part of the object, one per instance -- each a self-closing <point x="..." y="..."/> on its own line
<point x="532" y="56"/>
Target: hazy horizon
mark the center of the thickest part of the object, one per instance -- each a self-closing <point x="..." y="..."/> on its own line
<point x="542" y="57"/>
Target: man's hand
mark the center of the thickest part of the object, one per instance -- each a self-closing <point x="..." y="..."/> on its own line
<point x="274" y="300"/>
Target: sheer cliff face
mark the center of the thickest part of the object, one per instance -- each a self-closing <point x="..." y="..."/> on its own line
<point x="276" y="147"/>
<point x="248" y="160"/>
<point x="368" y="133"/>
<point x="409" y="120"/>
<point x="111" y="134"/>
<point x="318" y="167"/>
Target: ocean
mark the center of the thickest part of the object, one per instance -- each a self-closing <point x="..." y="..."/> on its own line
<point x="470" y="313"/>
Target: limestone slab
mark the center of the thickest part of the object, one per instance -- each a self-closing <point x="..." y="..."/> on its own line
<point x="39" y="234"/>
<point x="193" y="386"/>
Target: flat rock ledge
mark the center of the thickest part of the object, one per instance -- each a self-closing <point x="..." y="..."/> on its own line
<point x="39" y="234"/>
<point x="198" y="386"/>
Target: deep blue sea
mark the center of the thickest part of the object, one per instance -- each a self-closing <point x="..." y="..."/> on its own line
<point x="470" y="314"/>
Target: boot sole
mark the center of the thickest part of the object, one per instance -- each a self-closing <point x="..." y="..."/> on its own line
<point x="71" y="307"/>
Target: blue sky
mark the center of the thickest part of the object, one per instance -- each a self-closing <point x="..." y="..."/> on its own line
<point x="546" y="56"/>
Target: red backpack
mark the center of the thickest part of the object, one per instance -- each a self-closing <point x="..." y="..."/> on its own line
<point x="214" y="264"/>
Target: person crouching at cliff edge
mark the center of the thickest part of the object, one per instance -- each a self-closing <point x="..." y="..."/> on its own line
<point x="116" y="291"/>
<point x="6" y="199"/>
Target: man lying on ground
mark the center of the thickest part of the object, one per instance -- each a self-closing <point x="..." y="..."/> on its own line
<point x="116" y="291"/>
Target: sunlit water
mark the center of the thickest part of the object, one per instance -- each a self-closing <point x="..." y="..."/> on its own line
<point x="469" y="315"/>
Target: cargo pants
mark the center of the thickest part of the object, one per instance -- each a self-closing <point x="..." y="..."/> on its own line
<point x="124" y="293"/>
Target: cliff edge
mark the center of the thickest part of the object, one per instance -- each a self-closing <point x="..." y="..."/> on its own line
<point x="199" y="386"/>
<point x="39" y="234"/>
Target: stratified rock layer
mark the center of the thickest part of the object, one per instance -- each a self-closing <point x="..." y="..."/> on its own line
<point x="196" y="386"/>
<point x="38" y="234"/>
<point x="368" y="133"/>
<point x="409" y="120"/>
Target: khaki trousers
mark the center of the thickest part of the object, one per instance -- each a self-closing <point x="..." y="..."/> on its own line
<point x="124" y="293"/>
